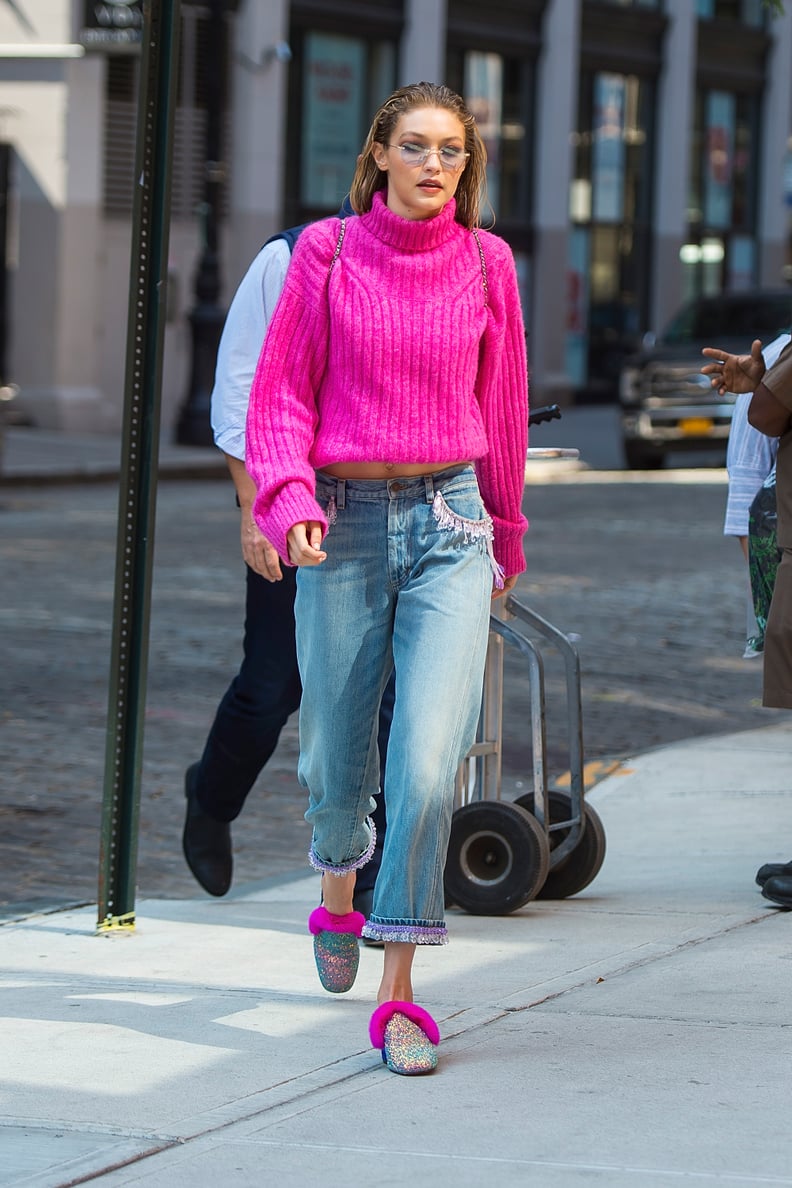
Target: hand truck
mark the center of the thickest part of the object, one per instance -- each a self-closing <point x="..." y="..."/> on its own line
<point x="546" y="844"/>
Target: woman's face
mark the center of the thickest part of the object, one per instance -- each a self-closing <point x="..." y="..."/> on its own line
<point x="421" y="190"/>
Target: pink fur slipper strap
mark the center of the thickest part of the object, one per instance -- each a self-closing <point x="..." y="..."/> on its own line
<point x="383" y="1015"/>
<point x="320" y="920"/>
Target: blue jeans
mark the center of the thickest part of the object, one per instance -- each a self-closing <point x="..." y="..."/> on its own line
<point x="256" y="706"/>
<point x="406" y="585"/>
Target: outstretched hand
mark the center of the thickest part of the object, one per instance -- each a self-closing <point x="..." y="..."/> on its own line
<point x="735" y="373"/>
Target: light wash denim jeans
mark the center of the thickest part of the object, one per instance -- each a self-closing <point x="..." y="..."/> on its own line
<point x="406" y="585"/>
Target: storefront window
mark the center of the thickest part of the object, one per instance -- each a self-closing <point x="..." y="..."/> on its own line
<point x="483" y="90"/>
<point x="344" y="81"/>
<point x="608" y="148"/>
<point x="332" y="116"/>
<point x="610" y="203"/>
<point x="199" y="60"/>
<point x="746" y="12"/>
<point x="720" y="250"/>
<point x="719" y="112"/>
<point x="499" y="92"/>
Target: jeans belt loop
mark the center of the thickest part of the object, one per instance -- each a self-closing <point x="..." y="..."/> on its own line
<point x="340" y="494"/>
<point x="429" y="487"/>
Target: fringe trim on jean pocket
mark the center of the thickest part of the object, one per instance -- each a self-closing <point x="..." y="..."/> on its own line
<point x="471" y="530"/>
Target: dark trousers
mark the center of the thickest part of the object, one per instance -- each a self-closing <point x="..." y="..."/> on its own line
<point x="256" y="705"/>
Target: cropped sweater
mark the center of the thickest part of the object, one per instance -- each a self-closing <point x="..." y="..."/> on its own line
<point x="397" y="353"/>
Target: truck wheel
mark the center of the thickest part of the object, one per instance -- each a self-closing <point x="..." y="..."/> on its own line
<point x="641" y="457"/>
<point x="498" y="858"/>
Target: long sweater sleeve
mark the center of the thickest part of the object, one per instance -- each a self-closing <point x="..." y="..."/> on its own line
<point x="282" y="414"/>
<point x="502" y="390"/>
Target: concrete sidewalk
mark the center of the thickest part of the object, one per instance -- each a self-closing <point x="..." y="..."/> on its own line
<point x="637" y="1034"/>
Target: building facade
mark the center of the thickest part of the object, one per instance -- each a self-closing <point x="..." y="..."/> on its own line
<point x="640" y="152"/>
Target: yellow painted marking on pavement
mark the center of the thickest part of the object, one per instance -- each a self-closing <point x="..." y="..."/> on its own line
<point x="117" y="924"/>
<point x="593" y="772"/>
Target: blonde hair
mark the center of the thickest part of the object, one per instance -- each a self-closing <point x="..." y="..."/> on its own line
<point x="472" y="184"/>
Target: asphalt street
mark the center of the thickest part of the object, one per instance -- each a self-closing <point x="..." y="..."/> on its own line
<point x="634" y="567"/>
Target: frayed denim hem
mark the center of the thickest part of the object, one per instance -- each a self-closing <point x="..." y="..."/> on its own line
<point x="409" y="932"/>
<point x="328" y="868"/>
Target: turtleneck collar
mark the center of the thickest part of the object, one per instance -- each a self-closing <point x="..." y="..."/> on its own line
<point x="410" y="235"/>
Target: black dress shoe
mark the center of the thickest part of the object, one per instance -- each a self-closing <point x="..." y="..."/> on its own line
<point x="778" y="889"/>
<point x="771" y="869"/>
<point x="206" y="843"/>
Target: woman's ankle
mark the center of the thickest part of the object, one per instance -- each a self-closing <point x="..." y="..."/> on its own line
<point x="337" y="892"/>
<point x="392" y="993"/>
<point x="396" y="983"/>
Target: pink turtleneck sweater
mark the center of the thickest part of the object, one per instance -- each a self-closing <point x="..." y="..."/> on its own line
<point x="399" y="358"/>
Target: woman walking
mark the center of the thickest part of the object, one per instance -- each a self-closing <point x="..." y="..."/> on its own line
<point x="386" y="434"/>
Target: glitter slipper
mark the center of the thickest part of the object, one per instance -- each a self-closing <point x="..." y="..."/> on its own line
<point x="336" y="947"/>
<point x="408" y="1037"/>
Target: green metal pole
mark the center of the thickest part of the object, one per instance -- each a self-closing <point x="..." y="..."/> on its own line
<point x="139" y="460"/>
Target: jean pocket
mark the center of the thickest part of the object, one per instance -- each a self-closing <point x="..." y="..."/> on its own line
<point x="468" y="528"/>
<point x="462" y="512"/>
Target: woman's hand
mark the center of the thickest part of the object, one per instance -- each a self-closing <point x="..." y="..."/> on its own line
<point x="508" y="584"/>
<point x="258" y="553"/>
<point x="304" y="542"/>
<point x="735" y="373"/>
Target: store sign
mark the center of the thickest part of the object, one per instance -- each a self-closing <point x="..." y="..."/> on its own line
<point x="112" y="25"/>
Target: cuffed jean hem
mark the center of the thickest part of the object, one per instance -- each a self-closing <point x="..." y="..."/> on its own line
<point x="347" y="867"/>
<point x="406" y="932"/>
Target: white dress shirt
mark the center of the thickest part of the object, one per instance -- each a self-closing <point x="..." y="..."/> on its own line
<point x="750" y="455"/>
<point x="240" y="345"/>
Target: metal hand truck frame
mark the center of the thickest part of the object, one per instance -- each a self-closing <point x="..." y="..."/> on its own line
<point x="547" y="844"/>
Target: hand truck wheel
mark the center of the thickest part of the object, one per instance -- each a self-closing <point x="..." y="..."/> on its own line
<point x="498" y="858"/>
<point x="580" y="867"/>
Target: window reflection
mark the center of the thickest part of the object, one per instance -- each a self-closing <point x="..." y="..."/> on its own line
<point x="609" y="205"/>
<point x="720" y="252"/>
<point x="497" y="90"/>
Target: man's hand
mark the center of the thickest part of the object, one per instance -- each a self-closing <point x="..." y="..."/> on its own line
<point x="735" y="373"/>
<point x="304" y="542"/>
<point x="259" y="554"/>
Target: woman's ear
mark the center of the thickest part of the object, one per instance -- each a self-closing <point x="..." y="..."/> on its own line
<point x="379" y="155"/>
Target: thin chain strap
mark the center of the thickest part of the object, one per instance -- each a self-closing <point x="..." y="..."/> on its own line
<point x="337" y="252"/>
<point x="484" y="284"/>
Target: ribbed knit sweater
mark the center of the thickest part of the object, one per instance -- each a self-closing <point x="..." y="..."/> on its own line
<point x="396" y="354"/>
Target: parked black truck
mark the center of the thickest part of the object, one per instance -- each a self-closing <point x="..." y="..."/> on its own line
<point x="666" y="403"/>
